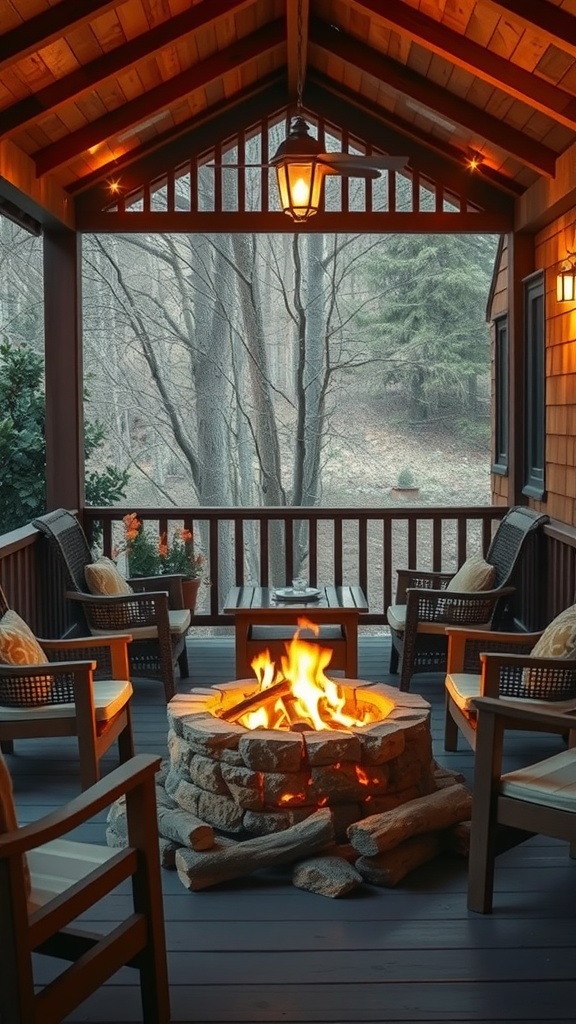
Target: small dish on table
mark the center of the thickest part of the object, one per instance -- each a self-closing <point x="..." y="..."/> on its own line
<point x="289" y="594"/>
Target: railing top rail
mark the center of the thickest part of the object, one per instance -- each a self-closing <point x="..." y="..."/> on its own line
<point x="303" y="512"/>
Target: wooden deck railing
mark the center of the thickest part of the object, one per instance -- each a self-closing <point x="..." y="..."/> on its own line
<point x="271" y="545"/>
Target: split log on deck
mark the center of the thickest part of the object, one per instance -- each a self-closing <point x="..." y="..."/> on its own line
<point x="387" y="869"/>
<point x="185" y="828"/>
<point x="326" y="876"/>
<point x="254" y="701"/>
<point x="430" y="813"/>
<point x="229" y="859"/>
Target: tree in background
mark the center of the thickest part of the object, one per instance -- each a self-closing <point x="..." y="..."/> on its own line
<point x="429" y="326"/>
<point x="23" y="448"/>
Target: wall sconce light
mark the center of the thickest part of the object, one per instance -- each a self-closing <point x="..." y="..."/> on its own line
<point x="566" y="279"/>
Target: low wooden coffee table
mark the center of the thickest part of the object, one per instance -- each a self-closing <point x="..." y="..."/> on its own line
<point x="337" y="611"/>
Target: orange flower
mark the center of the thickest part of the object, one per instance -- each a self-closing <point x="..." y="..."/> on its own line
<point x="163" y="546"/>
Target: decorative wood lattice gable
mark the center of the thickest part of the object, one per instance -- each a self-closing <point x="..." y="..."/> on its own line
<point x="218" y="178"/>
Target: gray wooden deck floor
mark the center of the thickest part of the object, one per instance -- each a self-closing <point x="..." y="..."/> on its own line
<point x="259" y="950"/>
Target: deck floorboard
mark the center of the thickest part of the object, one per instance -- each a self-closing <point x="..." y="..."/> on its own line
<point x="258" y="950"/>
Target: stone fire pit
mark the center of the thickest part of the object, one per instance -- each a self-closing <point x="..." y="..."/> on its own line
<point x="344" y="805"/>
<point x="263" y="781"/>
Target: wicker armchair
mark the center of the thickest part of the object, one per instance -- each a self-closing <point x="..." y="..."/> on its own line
<point x="423" y="607"/>
<point x="84" y="690"/>
<point x="499" y="665"/>
<point x="153" y="615"/>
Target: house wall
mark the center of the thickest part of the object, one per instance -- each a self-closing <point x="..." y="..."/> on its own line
<point x="551" y="245"/>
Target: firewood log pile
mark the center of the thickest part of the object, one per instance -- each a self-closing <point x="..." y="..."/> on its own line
<point x="381" y="849"/>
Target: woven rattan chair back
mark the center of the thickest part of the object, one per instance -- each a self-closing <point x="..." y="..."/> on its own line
<point x="69" y="543"/>
<point x="509" y="540"/>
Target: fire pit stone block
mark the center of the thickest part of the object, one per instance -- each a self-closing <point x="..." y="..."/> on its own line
<point x="330" y="747"/>
<point x="268" y="750"/>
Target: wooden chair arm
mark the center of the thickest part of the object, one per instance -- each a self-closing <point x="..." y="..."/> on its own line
<point x="524" y="676"/>
<point x="171" y="583"/>
<point x="47" y="668"/>
<point x="464" y="646"/>
<point x="116" y="646"/>
<point x="138" y="772"/>
<point x="451" y="607"/>
<point x="532" y="717"/>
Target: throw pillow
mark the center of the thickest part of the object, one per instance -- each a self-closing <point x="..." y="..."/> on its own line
<point x="104" y="580"/>
<point x="19" y="646"/>
<point x="475" y="574"/>
<point x="557" y="641"/>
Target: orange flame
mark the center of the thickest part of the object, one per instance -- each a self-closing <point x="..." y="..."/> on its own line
<point x="314" y="700"/>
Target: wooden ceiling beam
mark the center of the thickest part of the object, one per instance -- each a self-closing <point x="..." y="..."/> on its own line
<point x="137" y="110"/>
<point x="553" y="23"/>
<point x="535" y="155"/>
<point x="145" y="165"/>
<point x="51" y="24"/>
<point x="297" y="15"/>
<point x="536" y="92"/>
<point x="440" y="163"/>
<point x="92" y="75"/>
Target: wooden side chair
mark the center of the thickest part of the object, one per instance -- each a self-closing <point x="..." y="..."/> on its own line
<point x="474" y="597"/>
<point x="149" y="608"/>
<point x="536" y="667"/>
<point x="54" y="688"/>
<point x="47" y="882"/>
<point x="509" y="808"/>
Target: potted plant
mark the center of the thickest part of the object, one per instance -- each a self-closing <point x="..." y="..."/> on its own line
<point x="405" y="487"/>
<point x="150" y="555"/>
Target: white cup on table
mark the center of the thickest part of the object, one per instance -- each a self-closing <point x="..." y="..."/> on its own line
<point x="299" y="585"/>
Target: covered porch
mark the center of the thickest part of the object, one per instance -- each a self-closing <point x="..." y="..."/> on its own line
<point x="83" y="149"/>
<point x="259" y="949"/>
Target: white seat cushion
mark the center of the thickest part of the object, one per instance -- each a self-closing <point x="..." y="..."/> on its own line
<point x="464" y="687"/>
<point x="551" y="782"/>
<point x="57" y="865"/>
<point x="179" y="621"/>
<point x="110" y="696"/>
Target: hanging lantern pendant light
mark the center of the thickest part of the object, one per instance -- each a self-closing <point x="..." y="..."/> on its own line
<point x="299" y="173"/>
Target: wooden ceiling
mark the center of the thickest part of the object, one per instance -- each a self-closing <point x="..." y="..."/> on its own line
<point x="89" y="86"/>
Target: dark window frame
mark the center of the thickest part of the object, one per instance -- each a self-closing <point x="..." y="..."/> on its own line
<point x="534" y="387"/>
<point x="501" y="396"/>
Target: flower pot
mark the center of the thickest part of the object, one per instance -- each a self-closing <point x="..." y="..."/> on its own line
<point x="190" y="593"/>
<point x="404" y="493"/>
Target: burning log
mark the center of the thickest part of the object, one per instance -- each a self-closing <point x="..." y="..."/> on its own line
<point x="255" y="701"/>
<point x="431" y="813"/>
<point x="326" y="876"/>
<point x="229" y="859"/>
<point x="389" y="868"/>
